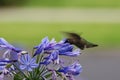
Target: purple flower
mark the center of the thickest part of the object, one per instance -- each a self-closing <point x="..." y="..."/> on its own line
<point x="53" y="57"/>
<point x="75" y="52"/>
<point x="44" y="46"/>
<point x="67" y="49"/>
<point x="2" y="76"/>
<point x="54" y="74"/>
<point x="5" y="45"/>
<point x="47" y="46"/>
<point x="3" y="64"/>
<point x="4" y="68"/>
<point x="73" y="69"/>
<point x="27" y="63"/>
<point x="54" y="49"/>
<point x="41" y="46"/>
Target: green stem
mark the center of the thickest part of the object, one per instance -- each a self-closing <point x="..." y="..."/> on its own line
<point x="20" y="71"/>
<point x="33" y="51"/>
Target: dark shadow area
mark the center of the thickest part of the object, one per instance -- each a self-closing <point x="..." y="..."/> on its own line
<point x="4" y="3"/>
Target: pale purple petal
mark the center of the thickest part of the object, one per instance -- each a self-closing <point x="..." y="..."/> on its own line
<point x="27" y="58"/>
<point x="33" y="60"/>
<point x="27" y="63"/>
<point x="34" y="65"/>
<point x="22" y="67"/>
<point x="29" y="68"/>
<point x="1" y="76"/>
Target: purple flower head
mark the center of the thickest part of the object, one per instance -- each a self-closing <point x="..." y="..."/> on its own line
<point x="53" y="57"/>
<point x="47" y="46"/>
<point x="27" y="63"/>
<point x="63" y="47"/>
<point x="75" y="52"/>
<point x="44" y="46"/>
<point x="73" y="69"/>
<point x="67" y="49"/>
<point x="8" y="48"/>
<point x="60" y="45"/>
<point x="50" y="46"/>
<point x="4" y="68"/>
<point x="5" y="71"/>
<point x="41" y="46"/>
<point x="3" y="63"/>
<point x="2" y="76"/>
<point x="5" y="45"/>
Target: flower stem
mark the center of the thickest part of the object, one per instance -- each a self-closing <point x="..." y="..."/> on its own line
<point x="20" y="71"/>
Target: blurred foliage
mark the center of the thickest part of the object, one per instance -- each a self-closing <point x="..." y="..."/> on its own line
<point x="104" y="34"/>
<point x="62" y="3"/>
<point x="12" y="2"/>
<point x="75" y="3"/>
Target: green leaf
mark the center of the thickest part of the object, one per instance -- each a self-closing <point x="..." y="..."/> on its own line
<point x="18" y="77"/>
<point x="59" y="74"/>
<point x="48" y="75"/>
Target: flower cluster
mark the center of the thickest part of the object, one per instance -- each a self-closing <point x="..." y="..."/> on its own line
<point x="36" y="66"/>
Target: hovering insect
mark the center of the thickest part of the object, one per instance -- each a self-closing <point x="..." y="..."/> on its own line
<point x="75" y="39"/>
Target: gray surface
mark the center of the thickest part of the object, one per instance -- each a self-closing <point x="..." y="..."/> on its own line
<point x="59" y="15"/>
<point x="101" y="65"/>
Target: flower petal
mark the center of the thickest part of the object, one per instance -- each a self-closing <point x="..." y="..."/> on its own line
<point x="39" y="50"/>
<point x="73" y="69"/>
<point x="34" y="65"/>
<point x="4" y="42"/>
<point x="23" y="67"/>
<point x="29" y="69"/>
<point x="27" y="63"/>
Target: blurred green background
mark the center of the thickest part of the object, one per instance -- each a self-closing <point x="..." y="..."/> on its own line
<point x="75" y="3"/>
<point x="104" y="34"/>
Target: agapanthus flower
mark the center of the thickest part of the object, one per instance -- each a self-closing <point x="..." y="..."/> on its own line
<point x="4" y="45"/>
<point x="73" y="69"/>
<point x="3" y="72"/>
<point x="44" y="45"/>
<point x="6" y="65"/>
<point x="2" y="76"/>
<point x="66" y="47"/>
<point x="68" y="50"/>
<point x="53" y="57"/>
<point x="37" y="66"/>
<point x="75" y="52"/>
<point x="27" y="63"/>
<point x="54" y="74"/>
<point x="54" y="49"/>
<point x="47" y="46"/>
<point x="3" y="64"/>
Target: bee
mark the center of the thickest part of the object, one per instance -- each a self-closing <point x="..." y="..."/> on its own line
<point x="77" y="40"/>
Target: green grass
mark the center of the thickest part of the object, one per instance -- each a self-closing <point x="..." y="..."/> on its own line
<point x="75" y="3"/>
<point x="105" y="34"/>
